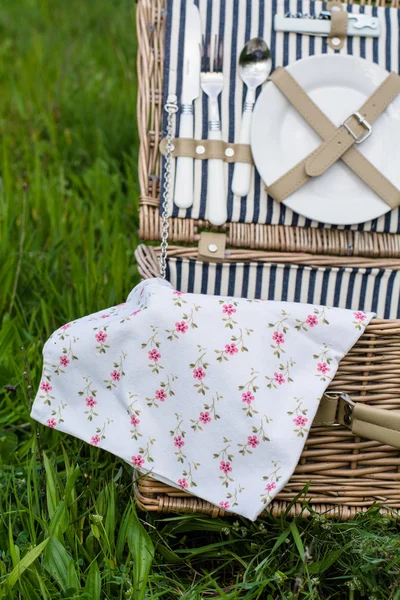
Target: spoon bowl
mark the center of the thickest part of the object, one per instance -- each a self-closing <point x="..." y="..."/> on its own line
<point x="255" y="63"/>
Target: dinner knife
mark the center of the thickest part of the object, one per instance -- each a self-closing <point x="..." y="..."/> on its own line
<point x="183" y="197"/>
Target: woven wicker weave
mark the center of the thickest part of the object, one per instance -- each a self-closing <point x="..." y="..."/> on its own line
<point x="345" y="474"/>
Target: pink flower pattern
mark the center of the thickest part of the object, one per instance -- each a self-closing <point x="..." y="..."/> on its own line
<point x="161" y="395"/>
<point x="205" y="417"/>
<point x="270" y="486"/>
<point x="90" y="402"/>
<point x="199" y="373"/>
<point x="252" y="441"/>
<point x="278" y="338"/>
<point x="228" y="309"/>
<point x="323" y="368"/>
<point x="101" y="337"/>
<point x="231" y="349"/>
<point x="138" y="461"/>
<point x="202" y="372"/>
<point x="179" y="442"/>
<point x="225" y="466"/>
<point x="154" y="355"/>
<point x="360" y="316"/>
<point x="300" y="421"/>
<point x="279" y="378"/>
<point x="247" y="397"/>
<point x="115" y="375"/>
<point x="312" y="320"/>
<point x="181" y="327"/>
<point x="46" y="387"/>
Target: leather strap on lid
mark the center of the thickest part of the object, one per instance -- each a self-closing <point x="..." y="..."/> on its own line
<point x="338" y="143"/>
<point x="357" y="127"/>
<point x="339" y="23"/>
<point x="364" y="421"/>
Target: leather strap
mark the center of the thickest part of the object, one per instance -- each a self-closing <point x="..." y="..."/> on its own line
<point x="205" y="149"/>
<point x="335" y="140"/>
<point x="339" y="23"/>
<point x="364" y="421"/>
<point x="345" y="136"/>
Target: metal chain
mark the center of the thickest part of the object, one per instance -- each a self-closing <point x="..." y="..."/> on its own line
<point x="171" y="107"/>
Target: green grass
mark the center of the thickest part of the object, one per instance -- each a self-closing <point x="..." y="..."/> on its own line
<point x="68" y="229"/>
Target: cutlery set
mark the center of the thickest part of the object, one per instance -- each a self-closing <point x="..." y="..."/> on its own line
<point x="203" y="70"/>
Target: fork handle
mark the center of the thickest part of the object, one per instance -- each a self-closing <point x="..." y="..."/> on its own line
<point x="217" y="212"/>
<point x="183" y="197"/>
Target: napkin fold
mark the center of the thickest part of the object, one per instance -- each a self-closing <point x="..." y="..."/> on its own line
<point x="212" y="395"/>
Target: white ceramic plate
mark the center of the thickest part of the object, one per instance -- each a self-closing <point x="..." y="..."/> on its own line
<point x="281" y="138"/>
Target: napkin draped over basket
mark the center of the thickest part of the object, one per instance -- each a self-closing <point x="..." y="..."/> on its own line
<point x="210" y="394"/>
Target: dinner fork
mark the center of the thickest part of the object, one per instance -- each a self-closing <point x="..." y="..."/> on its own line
<point x="212" y="83"/>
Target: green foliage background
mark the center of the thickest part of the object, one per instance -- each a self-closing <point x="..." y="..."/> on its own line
<point x="68" y="229"/>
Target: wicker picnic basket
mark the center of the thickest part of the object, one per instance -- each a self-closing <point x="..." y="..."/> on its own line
<point x="345" y="474"/>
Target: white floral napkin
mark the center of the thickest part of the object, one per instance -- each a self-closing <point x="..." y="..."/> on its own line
<point x="209" y="394"/>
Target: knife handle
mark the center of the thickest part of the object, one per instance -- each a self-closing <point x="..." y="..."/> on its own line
<point x="217" y="211"/>
<point x="183" y="196"/>
<point x="242" y="171"/>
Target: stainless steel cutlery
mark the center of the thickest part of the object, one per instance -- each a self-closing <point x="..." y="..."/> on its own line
<point x="212" y="83"/>
<point x="360" y="25"/>
<point x="255" y="65"/>
<point x="183" y="196"/>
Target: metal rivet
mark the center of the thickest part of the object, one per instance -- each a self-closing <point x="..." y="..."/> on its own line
<point x="348" y="409"/>
<point x="212" y="248"/>
<point x="200" y="149"/>
<point x="347" y="419"/>
<point x="229" y="152"/>
<point x="335" y="41"/>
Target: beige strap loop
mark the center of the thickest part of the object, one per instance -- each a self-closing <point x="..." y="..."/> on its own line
<point x="339" y="23"/>
<point x="336" y="140"/>
<point x="205" y="149"/>
<point x="365" y="421"/>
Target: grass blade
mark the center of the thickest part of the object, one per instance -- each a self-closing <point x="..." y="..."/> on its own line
<point x="93" y="582"/>
<point x="26" y="562"/>
<point x="142" y="550"/>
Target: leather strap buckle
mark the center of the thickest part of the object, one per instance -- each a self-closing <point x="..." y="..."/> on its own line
<point x="363" y="122"/>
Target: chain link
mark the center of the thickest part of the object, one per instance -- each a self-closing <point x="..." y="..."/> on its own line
<point x="171" y="107"/>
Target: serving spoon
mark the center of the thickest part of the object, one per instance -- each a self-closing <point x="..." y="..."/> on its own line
<point x="255" y="65"/>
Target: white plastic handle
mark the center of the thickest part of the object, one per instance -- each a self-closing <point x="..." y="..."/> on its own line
<point x="242" y="171"/>
<point x="183" y="196"/>
<point x="217" y="211"/>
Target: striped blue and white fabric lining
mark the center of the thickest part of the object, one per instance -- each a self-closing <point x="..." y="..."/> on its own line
<point x="238" y="21"/>
<point x="376" y="290"/>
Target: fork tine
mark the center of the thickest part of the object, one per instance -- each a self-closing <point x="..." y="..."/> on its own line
<point x="215" y="69"/>
<point x="221" y="52"/>
<point x="204" y="57"/>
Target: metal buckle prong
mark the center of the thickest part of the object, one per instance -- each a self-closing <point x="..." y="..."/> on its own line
<point x="367" y="126"/>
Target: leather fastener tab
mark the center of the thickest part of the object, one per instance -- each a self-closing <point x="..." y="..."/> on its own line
<point x="205" y="149"/>
<point x="339" y="23"/>
<point x="212" y="246"/>
<point x="326" y="413"/>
